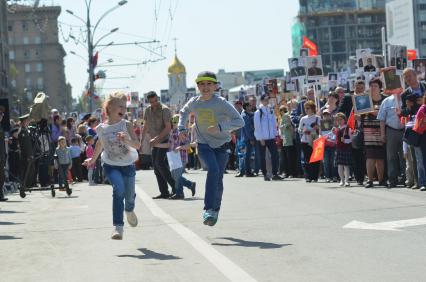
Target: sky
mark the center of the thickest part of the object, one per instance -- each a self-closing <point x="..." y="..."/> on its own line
<point x="234" y="35"/>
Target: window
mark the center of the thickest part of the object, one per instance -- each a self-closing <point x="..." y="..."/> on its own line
<point x="37" y="40"/>
<point x="27" y="68"/>
<point x="25" y="40"/>
<point x="37" y="53"/>
<point x="422" y="6"/>
<point x="28" y="82"/>
<point x="12" y="55"/>
<point x="40" y="83"/>
<point x="10" y="28"/>
<point x="27" y="54"/>
<point x="13" y="83"/>
<point x="24" y="26"/>
<point x="39" y="67"/>
<point x="10" y="40"/>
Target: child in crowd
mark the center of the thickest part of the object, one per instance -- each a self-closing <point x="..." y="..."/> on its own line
<point x="63" y="161"/>
<point x="343" y="149"/>
<point x="118" y="143"/>
<point x="75" y="150"/>
<point x="90" y="140"/>
<point x="215" y="118"/>
<point x="327" y="125"/>
<point x="181" y="146"/>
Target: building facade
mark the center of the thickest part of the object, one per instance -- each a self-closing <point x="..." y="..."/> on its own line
<point x="406" y="24"/>
<point x="37" y="57"/>
<point x="177" y="83"/>
<point x="4" y="52"/>
<point x="339" y="27"/>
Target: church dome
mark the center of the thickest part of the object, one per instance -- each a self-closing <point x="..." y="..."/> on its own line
<point x="176" y="67"/>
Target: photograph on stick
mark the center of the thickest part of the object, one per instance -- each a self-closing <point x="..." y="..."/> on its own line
<point x="362" y="104"/>
<point x="297" y="67"/>
<point x="314" y="67"/>
<point x="419" y="66"/>
<point x="392" y="81"/>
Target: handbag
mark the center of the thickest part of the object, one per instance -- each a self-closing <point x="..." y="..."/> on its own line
<point x="357" y="139"/>
<point x="411" y="137"/>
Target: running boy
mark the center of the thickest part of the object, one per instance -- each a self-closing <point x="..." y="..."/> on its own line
<point x="118" y="144"/>
<point x="215" y="118"/>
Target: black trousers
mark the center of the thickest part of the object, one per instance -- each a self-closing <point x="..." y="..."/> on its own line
<point x="358" y="164"/>
<point x="27" y="170"/>
<point x="290" y="160"/>
<point x="43" y="171"/>
<point x="76" y="171"/>
<point x="311" y="170"/>
<point x="272" y="147"/>
<point x="162" y="171"/>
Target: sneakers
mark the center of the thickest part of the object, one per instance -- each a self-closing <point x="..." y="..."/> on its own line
<point x="117" y="233"/>
<point x="132" y="219"/>
<point x="369" y="184"/>
<point x="277" y="177"/>
<point x="423" y="188"/>
<point x="210" y="217"/>
<point x="177" y="197"/>
<point x="347" y="184"/>
<point x="341" y="184"/>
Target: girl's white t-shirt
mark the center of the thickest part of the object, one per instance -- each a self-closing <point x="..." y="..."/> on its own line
<point x="115" y="152"/>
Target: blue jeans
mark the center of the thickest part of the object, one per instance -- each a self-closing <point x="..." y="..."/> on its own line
<point x="63" y="173"/>
<point x="420" y="167"/>
<point x="180" y="181"/>
<point x="330" y="170"/>
<point x="122" y="179"/>
<point x="247" y="159"/>
<point x="215" y="160"/>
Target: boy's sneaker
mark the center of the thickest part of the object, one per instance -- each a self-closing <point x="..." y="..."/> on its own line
<point x="132" y="219"/>
<point x="423" y="188"/>
<point x="193" y="185"/>
<point x="209" y="218"/>
<point x="117" y="233"/>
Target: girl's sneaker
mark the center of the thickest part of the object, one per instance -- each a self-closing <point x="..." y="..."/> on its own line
<point x="347" y="184"/>
<point x="117" y="233"/>
<point x="341" y="184"/>
<point x="132" y="219"/>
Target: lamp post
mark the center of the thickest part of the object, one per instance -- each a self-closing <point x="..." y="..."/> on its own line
<point x="91" y="44"/>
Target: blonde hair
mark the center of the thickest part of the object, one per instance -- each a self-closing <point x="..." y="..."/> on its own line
<point x="114" y="97"/>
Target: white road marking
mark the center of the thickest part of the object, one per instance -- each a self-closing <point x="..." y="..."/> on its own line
<point x="229" y="269"/>
<point x="387" y="226"/>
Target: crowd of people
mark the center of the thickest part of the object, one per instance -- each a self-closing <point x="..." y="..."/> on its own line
<point x="382" y="147"/>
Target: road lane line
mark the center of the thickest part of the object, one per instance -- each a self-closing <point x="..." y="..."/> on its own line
<point x="229" y="269"/>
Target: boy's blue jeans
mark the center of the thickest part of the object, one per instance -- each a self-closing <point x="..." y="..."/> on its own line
<point x="330" y="170"/>
<point x="122" y="179"/>
<point x="215" y="160"/>
<point x="180" y="181"/>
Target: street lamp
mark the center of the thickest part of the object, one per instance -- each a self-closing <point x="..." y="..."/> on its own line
<point x="91" y="46"/>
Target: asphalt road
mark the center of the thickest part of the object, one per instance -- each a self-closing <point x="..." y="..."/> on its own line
<point x="267" y="231"/>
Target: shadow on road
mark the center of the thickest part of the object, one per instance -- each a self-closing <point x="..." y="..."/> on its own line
<point x="249" y="244"/>
<point x="148" y="254"/>
<point x="1" y="211"/>
<point x="194" y="199"/>
<point x="10" y="223"/>
<point x="4" y="237"/>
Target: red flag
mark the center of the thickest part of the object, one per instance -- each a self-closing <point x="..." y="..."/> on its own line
<point x="318" y="150"/>
<point x="351" y="121"/>
<point x="411" y="54"/>
<point x="95" y="59"/>
<point x="313" y="49"/>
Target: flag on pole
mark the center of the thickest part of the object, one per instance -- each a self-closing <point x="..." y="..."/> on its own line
<point x="351" y="120"/>
<point x="313" y="48"/>
<point x="95" y="59"/>
<point x="411" y="54"/>
<point x="318" y="150"/>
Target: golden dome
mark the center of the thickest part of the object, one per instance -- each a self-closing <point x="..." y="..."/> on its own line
<point x="176" y="67"/>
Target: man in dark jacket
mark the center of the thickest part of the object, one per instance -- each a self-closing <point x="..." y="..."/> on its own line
<point x="415" y="87"/>
<point x="27" y="155"/>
